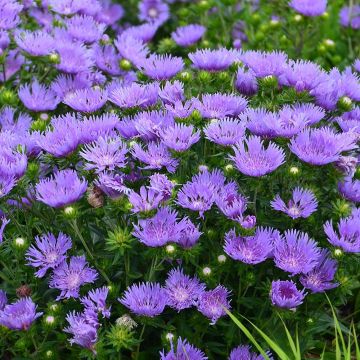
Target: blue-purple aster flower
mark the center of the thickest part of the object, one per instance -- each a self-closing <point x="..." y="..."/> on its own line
<point x="110" y="13"/>
<point x="13" y="62"/>
<point x="111" y="184"/>
<point x="61" y="189"/>
<point x="295" y="252"/>
<point x="3" y="300"/>
<point x="225" y="132"/>
<point x="243" y="352"/>
<point x="49" y="252"/>
<point x="253" y="159"/>
<point x="12" y="163"/>
<point x="68" y="277"/>
<point x="144" y="32"/>
<point x="14" y="121"/>
<point x="181" y="290"/>
<point x="309" y="7"/>
<point x="161" y="67"/>
<point x="183" y="351"/>
<point x="252" y="249"/>
<point x="84" y="28"/>
<point x="96" y="301"/>
<point x="350" y="120"/>
<point x="131" y="49"/>
<point x="4" y="40"/>
<point x="106" y="153"/>
<point x="153" y="11"/>
<point x="65" y="7"/>
<point x="145" y="299"/>
<point x="246" y="82"/>
<point x="9" y="14"/>
<point x="213" y="60"/>
<point x="86" y="100"/>
<point x="350" y="189"/>
<point x="146" y="200"/>
<point x="189" y="235"/>
<point x="35" y="43"/>
<point x="172" y="92"/>
<point x="321" y="146"/>
<point x="302" y="204"/>
<point x="4" y="222"/>
<point x="64" y="84"/>
<point x="179" y="137"/>
<point x="156" y="156"/>
<point x="284" y="294"/>
<point x="161" y="184"/>
<point x="19" y="315"/>
<point x="181" y="109"/>
<point x="188" y="35"/>
<point x="219" y="105"/>
<point x="38" y="97"/>
<point x="321" y="277"/>
<point x="348" y="235"/>
<point x="350" y="16"/>
<point x="7" y="183"/>
<point x="259" y="121"/>
<point x="107" y="59"/>
<point x="135" y="95"/>
<point x="212" y="303"/>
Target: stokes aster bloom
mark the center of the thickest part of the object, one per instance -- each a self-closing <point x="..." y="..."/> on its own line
<point x="302" y="204"/>
<point x="153" y="11"/>
<point x="147" y="200"/>
<point x="183" y="351"/>
<point x="309" y="7"/>
<point x="225" y="132"/>
<point x="255" y="159"/>
<point x="61" y="189"/>
<point x="36" y="43"/>
<point x="162" y="185"/>
<point x="3" y="299"/>
<point x="87" y="100"/>
<point x="9" y="14"/>
<point x="84" y="28"/>
<point x="96" y="301"/>
<point x="188" y="35"/>
<point x="350" y="16"/>
<point x="145" y="299"/>
<point x="285" y="294"/>
<point x="246" y="82"/>
<point x="162" y="67"/>
<point x="19" y="315"/>
<point x="131" y="49"/>
<point x="7" y="183"/>
<point x="350" y="189"/>
<point x="243" y="352"/>
<point x="179" y="137"/>
<point x="48" y="253"/>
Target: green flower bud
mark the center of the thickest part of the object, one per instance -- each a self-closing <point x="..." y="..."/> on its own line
<point x="20" y="243"/>
<point x="196" y="115"/>
<point x="330" y="44"/>
<point x="229" y="169"/>
<point x="294" y="171"/>
<point x="221" y="259"/>
<point x="325" y="15"/>
<point x="255" y="18"/>
<point x="185" y="76"/>
<point x="205" y="43"/>
<point x="49" y="354"/>
<point x="259" y="36"/>
<point x="270" y="82"/>
<point x="39" y="125"/>
<point x="206" y="271"/>
<point x="298" y="18"/>
<point x="49" y="321"/>
<point x="204" y="76"/>
<point x="54" y="58"/>
<point x="118" y="240"/>
<point x="125" y="65"/>
<point x="274" y="23"/>
<point x="8" y="97"/>
<point x="170" y="249"/>
<point x="204" y="5"/>
<point x="70" y="212"/>
<point x="338" y="253"/>
<point x="345" y="103"/>
<point x="32" y="170"/>
<point x="223" y="76"/>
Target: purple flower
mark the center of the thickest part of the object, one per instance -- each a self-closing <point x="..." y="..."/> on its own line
<point x="7" y="183"/>
<point x="321" y="146"/>
<point x="181" y="109"/>
<point x="356" y="64"/>
<point x="156" y="156"/>
<point x="107" y="59"/>
<point x="110" y="13"/>
<point x="3" y="300"/>
<point x="64" y="84"/>
<point x="106" y="153"/>
<point x="87" y="100"/>
<point x="189" y="235"/>
<point x="179" y="137"/>
<point x="62" y="189"/>
<point x="213" y="60"/>
<point x="19" y="315"/>
<point x="246" y="82"/>
<point x="161" y="67"/>
<point x="309" y="7"/>
<point x="220" y="105"/>
<point x="295" y="252"/>
<point x="348" y="236"/>
<point x="35" y="43"/>
<point x="69" y="277"/>
<point x="145" y="299"/>
<point x="350" y="190"/>
<point x="161" y="184"/>
<point x="96" y="301"/>
<point x="255" y="159"/>
<point x="321" y="277"/>
<point x="350" y="16"/>
<point x="147" y="200"/>
<point x="212" y="303"/>
<point x="13" y="63"/>
<point x="172" y="92"/>
<point x="83" y="332"/>
<point x="184" y="351"/>
<point x="84" y="28"/>
<point x="38" y="97"/>
<point x="161" y="229"/>
<point x="350" y="121"/>
<point x="284" y="294"/>
<point x="347" y="165"/>
<point x="135" y="95"/>
<point x="302" y="204"/>
<point x="111" y="184"/>
<point x="19" y="123"/>
<point x="153" y="11"/>
<point x="48" y="253"/>
<point x="65" y="7"/>
<point x="144" y="32"/>
<point x="259" y="121"/>
<point x="312" y="112"/>
<point x="251" y="249"/>
<point x="4" y="40"/>
<point x="188" y="35"/>
<point x="12" y="164"/>
<point x="225" y="132"/>
<point x="243" y="352"/>
<point x="9" y="14"/>
<point x="4" y="222"/>
<point x="131" y="49"/>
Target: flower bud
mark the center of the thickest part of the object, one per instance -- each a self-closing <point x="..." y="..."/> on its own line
<point x="298" y="18"/>
<point x="223" y="76"/>
<point x="125" y="65"/>
<point x="49" y="320"/>
<point x="338" y="253"/>
<point x="221" y="258"/>
<point x="345" y="103"/>
<point x="206" y="271"/>
<point x="203" y="168"/>
<point x="196" y="115"/>
<point x="324" y="15"/>
<point x="23" y="291"/>
<point x="70" y="212"/>
<point x="39" y="125"/>
<point x="185" y="76"/>
<point x="229" y="169"/>
<point x="294" y="171"/>
<point x="204" y="76"/>
<point x="8" y="97"/>
<point x="19" y="242"/>
<point x="95" y="197"/>
<point x="330" y="44"/>
<point x="270" y="81"/>
<point x="169" y="336"/>
<point x="54" y="58"/>
<point x="274" y="23"/>
<point x="49" y="354"/>
<point x="170" y="249"/>
<point x="126" y="321"/>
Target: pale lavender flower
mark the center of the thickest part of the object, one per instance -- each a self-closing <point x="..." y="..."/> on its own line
<point x="65" y="7"/>
<point x="35" y="43"/>
<point x="180" y="109"/>
<point x="147" y="200"/>
<point x="4" y="40"/>
<point x="356" y="65"/>
<point x="9" y="14"/>
<point x="96" y="301"/>
<point x="212" y="303"/>
<point x="347" y="165"/>
<point x="295" y="252"/>
<point x="156" y="156"/>
<point x="69" y="277"/>
<point x="302" y="204"/>
<point x="350" y="121"/>
<point x="256" y="160"/>
<point x="246" y="82"/>
<point x="12" y="164"/>
<point x="161" y="184"/>
<point x="188" y="35"/>
<point x="251" y="249"/>
<point x="309" y="7"/>
<point x="64" y="84"/>
<point x="48" y="253"/>
<point x="4" y="222"/>
<point x="64" y="188"/>
<point x="145" y="299"/>
<point x="38" y="97"/>
<point x="87" y="100"/>
<point x="259" y="121"/>
<point x="161" y="67"/>
<point x="189" y="235"/>
<point x="153" y="11"/>
<point x="225" y="132"/>
<point x="350" y="189"/>
<point x="84" y="28"/>
<point x="13" y="62"/>
<point x="19" y="123"/>
<point x="144" y="32"/>
<point x="184" y="351"/>
<point x="172" y="92"/>
<point x="321" y="277"/>
<point x="179" y="137"/>
<point x="312" y="112"/>
<point x="350" y="16"/>
<point x="111" y="184"/>
<point x="182" y="291"/>
<point x="105" y="153"/>
<point x="284" y="294"/>
<point x="110" y="13"/>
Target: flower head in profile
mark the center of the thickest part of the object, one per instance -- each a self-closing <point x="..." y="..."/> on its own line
<point x="189" y="235"/>
<point x="243" y="352"/>
<point x="84" y="28"/>
<point x="162" y="67"/>
<point x="183" y="351"/>
<point x="144" y="32"/>
<point x="188" y="35"/>
<point x="161" y="184"/>
<point x="9" y="14"/>
<point x="295" y="252"/>
<point x="302" y="204"/>
<point x="253" y="159"/>
<point x="225" y="132"/>
<point x="49" y="252"/>
<point x="251" y="249"/>
<point x="145" y="299"/>
<point x="12" y="163"/>
<point x="350" y="189"/>
<point x="284" y="294"/>
<point x="35" y="43"/>
<point x="172" y="92"/>
<point x="212" y="303"/>
<point x="7" y="183"/>
<point x="309" y="7"/>
<point x="179" y="137"/>
<point x="350" y="120"/>
<point x="131" y="49"/>
<point x="111" y="184"/>
<point x="246" y="82"/>
<point x="321" y="277"/>
<point x="182" y="290"/>
<point x="107" y="59"/>
<point x="19" y="315"/>
<point x="95" y="301"/>
<point x="259" y="121"/>
<point x="61" y="189"/>
<point x="68" y="277"/>
<point x="86" y="100"/>
<point x="146" y="200"/>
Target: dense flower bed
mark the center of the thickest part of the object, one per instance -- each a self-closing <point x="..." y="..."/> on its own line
<point x="168" y="165"/>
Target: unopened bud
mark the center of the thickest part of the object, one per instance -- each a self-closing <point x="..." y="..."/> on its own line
<point x="125" y="64"/>
<point x="170" y="249"/>
<point x="206" y="271"/>
<point x="23" y="291"/>
<point x="19" y="242"/>
<point x="221" y="259"/>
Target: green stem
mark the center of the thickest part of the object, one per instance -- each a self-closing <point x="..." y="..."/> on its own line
<point x="140" y="340"/>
